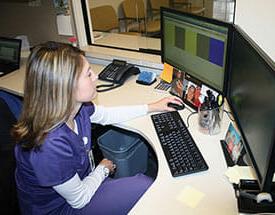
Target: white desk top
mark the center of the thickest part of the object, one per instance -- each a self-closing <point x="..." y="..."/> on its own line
<point x="163" y="197"/>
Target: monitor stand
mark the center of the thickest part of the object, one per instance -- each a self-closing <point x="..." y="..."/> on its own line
<point x="250" y="200"/>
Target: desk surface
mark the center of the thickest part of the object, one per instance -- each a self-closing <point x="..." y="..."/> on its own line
<point x="165" y="194"/>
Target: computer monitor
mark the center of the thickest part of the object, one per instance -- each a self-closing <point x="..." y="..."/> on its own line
<point x="196" y="45"/>
<point x="251" y="94"/>
<point x="10" y="49"/>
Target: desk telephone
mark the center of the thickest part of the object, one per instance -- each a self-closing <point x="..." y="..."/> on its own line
<point x="118" y="71"/>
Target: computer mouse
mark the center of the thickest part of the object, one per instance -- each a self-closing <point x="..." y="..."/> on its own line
<point x="176" y="106"/>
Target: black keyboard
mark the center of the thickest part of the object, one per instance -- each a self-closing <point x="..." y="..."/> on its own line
<point x="181" y="152"/>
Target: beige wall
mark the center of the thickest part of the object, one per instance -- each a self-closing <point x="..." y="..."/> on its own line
<point x="257" y="19"/>
<point x="38" y="23"/>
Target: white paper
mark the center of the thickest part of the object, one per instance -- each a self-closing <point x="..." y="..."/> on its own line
<point x="64" y="26"/>
<point x="236" y="173"/>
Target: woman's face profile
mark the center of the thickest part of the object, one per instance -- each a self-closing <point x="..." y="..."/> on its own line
<point x="86" y="83"/>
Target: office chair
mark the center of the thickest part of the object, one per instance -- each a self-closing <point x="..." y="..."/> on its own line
<point x="188" y="6"/>
<point x="136" y="18"/>
<point x="180" y="3"/>
<point x="104" y="18"/>
<point x="8" y="195"/>
<point x="156" y="4"/>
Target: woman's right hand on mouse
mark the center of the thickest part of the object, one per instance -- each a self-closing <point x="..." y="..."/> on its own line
<point x="162" y="104"/>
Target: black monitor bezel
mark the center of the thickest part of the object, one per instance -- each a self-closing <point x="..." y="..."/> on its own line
<point x="205" y="19"/>
<point x="265" y="181"/>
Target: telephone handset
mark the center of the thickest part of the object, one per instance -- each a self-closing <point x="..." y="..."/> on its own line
<point x="116" y="72"/>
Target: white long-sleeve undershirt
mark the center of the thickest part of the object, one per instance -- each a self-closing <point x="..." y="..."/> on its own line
<point x="79" y="192"/>
<point x="112" y="115"/>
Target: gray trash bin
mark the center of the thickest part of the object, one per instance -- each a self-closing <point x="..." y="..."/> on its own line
<point x="127" y="151"/>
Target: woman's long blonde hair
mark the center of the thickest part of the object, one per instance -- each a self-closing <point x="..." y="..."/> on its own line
<point x="51" y="74"/>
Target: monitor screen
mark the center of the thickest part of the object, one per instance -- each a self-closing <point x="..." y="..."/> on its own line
<point x="196" y="45"/>
<point x="251" y="94"/>
<point x="10" y="50"/>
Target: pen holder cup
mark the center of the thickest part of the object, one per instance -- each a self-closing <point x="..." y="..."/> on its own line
<point x="210" y="120"/>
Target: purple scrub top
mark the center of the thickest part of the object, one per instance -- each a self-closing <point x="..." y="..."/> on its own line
<point x="62" y="155"/>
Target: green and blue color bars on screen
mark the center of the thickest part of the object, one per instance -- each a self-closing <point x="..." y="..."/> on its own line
<point x="205" y="47"/>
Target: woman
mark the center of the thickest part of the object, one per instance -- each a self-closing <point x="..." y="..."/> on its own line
<point x="55" y="171"/>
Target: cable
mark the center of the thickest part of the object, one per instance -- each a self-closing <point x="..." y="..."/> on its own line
<point x="229" y="114"/>
<point x="110" y="87"/>
<point x="190" y="110"/>
<point x="187" y="120"/>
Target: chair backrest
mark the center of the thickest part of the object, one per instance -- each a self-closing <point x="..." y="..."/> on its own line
<point x="156" y="4"/>
<point x="104" y="18"/>
<point x="8" y="196"/>
<point x="134" y="9"/>
<point x="190" y="6"/>
<point x="14" y="102"/>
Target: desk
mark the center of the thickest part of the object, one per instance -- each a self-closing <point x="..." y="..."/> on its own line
<point x="161" y="197"/>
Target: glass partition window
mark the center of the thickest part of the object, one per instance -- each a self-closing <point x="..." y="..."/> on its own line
<point x="121" y="23"/>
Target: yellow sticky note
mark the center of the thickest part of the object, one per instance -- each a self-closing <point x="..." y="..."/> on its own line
<point x="167" y="73"/>
<point x="190" y="196"/>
